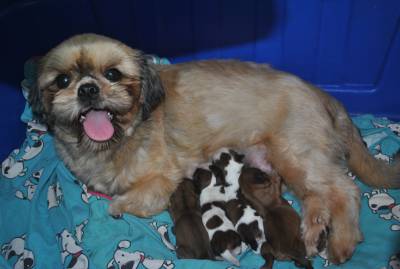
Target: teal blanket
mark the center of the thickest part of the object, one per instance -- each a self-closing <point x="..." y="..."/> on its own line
<point x="49" y="220"/>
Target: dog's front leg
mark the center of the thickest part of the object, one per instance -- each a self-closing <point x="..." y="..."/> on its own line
<point x="147" y="196"/>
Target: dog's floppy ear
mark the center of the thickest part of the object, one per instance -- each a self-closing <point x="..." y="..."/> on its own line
<point x="36" y="103"/>
<point x="152" y="90"/>
<point x="34" y="94"/>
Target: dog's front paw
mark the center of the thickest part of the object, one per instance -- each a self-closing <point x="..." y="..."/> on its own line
<point x="315" y="229"/>
<point x="115" y="209"/>
<point x="143" y="208"/>
<point x="342" y="243"/>
<point x="145" y="198"/>
<point x="338" y="254"/>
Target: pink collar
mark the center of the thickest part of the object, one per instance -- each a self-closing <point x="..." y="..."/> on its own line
<point x="99" y="194"/>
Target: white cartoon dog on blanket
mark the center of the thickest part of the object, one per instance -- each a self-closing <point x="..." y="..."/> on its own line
<point x="36" y="128"/>
<point x="54" y="195"/>
<point x="16" y="247"/>
<point x="70" y="247"/>
<point x="11" y="167"/>
<point x="30" y="186"/>
<point x="32" y="149"/>
<point x="162" y="230"/>
<point x="379" y="200"/>
<point x="130" y="260"/>
<point x="394" y="262"/>
<point x="394" y="127"/>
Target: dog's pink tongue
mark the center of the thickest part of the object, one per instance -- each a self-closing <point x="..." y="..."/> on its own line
<point x="98" y="126"/>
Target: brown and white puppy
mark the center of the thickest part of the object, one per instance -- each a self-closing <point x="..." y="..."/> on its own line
<point x="192" y="240"/>
<point x="247" y="222"/>
<point x="224" y="240"/>
<point x="118" y="134"/>
<point x="281" y="221"/>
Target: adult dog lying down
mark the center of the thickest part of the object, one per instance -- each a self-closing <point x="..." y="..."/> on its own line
<point x="131" y="131"/>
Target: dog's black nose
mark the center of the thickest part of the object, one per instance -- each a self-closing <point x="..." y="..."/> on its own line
<point x="88" y="91"/>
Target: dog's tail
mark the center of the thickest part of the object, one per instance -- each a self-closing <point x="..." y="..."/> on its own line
<point x="373" y="172"/>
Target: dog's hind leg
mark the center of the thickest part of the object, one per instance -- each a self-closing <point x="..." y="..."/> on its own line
<point x="315" y="221"/>
<point x="305" y="174"/>
<point x="330" y="200"/>
<point x="330" y="204"/>
<point x="344" y="233"/>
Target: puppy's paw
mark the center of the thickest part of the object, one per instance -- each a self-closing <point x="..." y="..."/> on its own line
<point x="315" y="229"/>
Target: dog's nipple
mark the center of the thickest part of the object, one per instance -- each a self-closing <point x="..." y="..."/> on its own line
<point x="97" y="125"/>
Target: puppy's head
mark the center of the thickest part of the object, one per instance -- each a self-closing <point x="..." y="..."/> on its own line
<point x="95" y="89"/>
<point x="224" y="156"/>
<point x="201" y="179"/>
<point x="260" y="187"/>
<point x="184" y="199"/>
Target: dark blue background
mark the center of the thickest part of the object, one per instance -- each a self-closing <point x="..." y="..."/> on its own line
<point x="349" y="47"/>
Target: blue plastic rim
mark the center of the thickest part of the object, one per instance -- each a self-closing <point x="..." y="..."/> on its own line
<point x="351" y="48"/>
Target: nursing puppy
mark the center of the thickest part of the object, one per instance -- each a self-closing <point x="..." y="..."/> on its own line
<point x="247" y="222"/>
<point x="281" y="222"/>
<point x="192" y="240"/>
<point x="132" y="130"/>
<point x="224" y="240"/>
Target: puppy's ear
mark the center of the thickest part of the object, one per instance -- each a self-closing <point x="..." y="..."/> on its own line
<point x="151" y="88"/>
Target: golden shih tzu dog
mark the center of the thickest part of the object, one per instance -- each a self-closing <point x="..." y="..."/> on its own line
<point x="133" y="130"/>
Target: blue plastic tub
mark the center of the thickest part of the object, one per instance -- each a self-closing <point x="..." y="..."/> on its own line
<point x="351" y="48"/>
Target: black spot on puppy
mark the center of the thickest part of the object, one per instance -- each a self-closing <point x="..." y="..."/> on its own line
<point x="214" y="222"/>
<point x="222" y="162"/>
<point x="223" y="241"/>
<point x="249" y="233"/>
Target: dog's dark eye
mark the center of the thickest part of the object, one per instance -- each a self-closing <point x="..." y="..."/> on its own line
<point x="113" y="75"/>
<point x="63" y="81"/>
